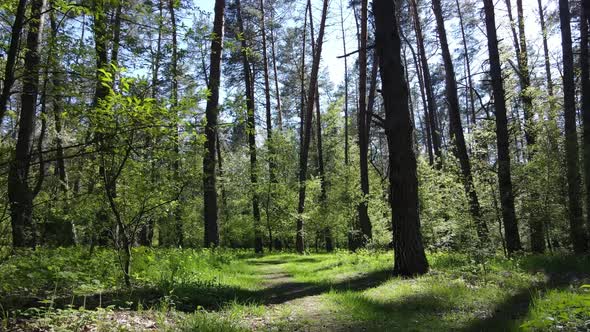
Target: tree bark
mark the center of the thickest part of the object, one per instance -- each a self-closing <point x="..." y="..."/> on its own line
<point x="578" y="235"/>
<point x="311" y="91"/>
<point x="410" y="258"/>
<point x="251" y="132"/>
<point x="17" y="27"/>
<point x="505" y="182"/>
<point x="20" y="194"/>
<point x="346" y="158"/>
<point x="211" y="238"/>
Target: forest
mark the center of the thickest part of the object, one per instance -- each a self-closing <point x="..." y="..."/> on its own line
<point x="294" y="165"/>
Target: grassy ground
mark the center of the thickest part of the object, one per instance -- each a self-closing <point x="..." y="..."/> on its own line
<point x="187" y="290"/>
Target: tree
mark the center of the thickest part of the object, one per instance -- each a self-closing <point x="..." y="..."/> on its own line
<point x="432" y="120"/>
<point x="505" y="182"/>
<point x="16" y="30"/>
<point x="363" y="132"/>
<point x="410" y="258"/>
<point x="250" y="130"/>
<point x="211" y="238"/>
<point x="20" y="193"/>
<point x="578" y="235"/>
<point x="456" y="128"/>
<point x="306" y="130"/>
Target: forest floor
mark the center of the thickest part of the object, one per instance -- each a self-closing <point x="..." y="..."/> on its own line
<point x="193" y="290"/>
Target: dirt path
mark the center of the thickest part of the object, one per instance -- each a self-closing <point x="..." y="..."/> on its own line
<point x="289" y="308"/>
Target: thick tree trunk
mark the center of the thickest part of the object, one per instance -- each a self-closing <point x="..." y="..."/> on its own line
<point x="313" y="81"/>
<point x="456" y="128"/>
<point x="410" y="258"/>
<point x="17" y="27"/>
<point x="434" y="131"/>
<point x="251" y="132"/>
<point x="578" y="234"/>
<point x="211" y="238"/>
<point x="505" y="182"/>
<point x="19" y="192"/>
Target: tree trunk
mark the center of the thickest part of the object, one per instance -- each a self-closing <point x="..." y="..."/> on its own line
<point x="211" y="238"/>
<point x="20" y="194"/>
<point x="12" y="56"/>
<point x="545" y="49"/>
<point x="467" y="65"/>
<point x="585" y="78"/>
<point x="174" y="106"/>
<point x="578" y="235"/>
<point x="363" y="132"/>
<point x="434" y="132"/>
<point x="456" y="128"/>
<point x="251" y="131"/>
<point x="504" y="180"/>
<point x="313" y="81"/>
<point x="274" y="68"/>
<point x="410" y="258"/>
<point x="345" y="87"/>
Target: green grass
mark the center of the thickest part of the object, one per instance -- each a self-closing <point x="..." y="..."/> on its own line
<point x="233" y="290"/>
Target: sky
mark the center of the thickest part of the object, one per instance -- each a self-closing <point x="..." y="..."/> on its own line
<point x="333" y="39"/>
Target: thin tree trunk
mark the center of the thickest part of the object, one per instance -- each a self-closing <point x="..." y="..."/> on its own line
<point x="274" y="68"/>
<point x="363" y="132"/>
<point x="505" y="182"/>
<point x="456" y="128"/>
<point x="434" y="131"/>
<point x="410" y="258"/>
<point x="211" y="238"/>
<point x="578" y="235"/>
<point x="313" y="81"/>
<point x="545" y="49"/>
<point x="251" y="131"/>
<point x="12" y="56"/>
<point x="174" y="107"/>
<point x="20" y="194"/>
<point x="467" y="65"/>
<point x="346" y="158"/>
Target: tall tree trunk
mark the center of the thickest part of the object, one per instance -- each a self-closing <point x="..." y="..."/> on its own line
<point x="578" y="235"/>
<point x="269" y="139"/>
<point x="346" y="158"/>
<point x="311" y="91"/>
<point x="410" y="258"/>
<point x="274" y="68"/>
<point x="17" y="27"/>
<point x="585" y="78"/>
<point x="505" y="182"/>
<point x="545" y="49"/>
<point x="251" y="131"/>
<point x="363" y="132"/>
<point x="211" y="111"/>
<point x="456" y="128"/>
<point x="318" y="115"/>
<point x="20" y="194"/>
<point x="467" y="65"/>
<point x="434" y="131"/>
<point x="174" y="107"/>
